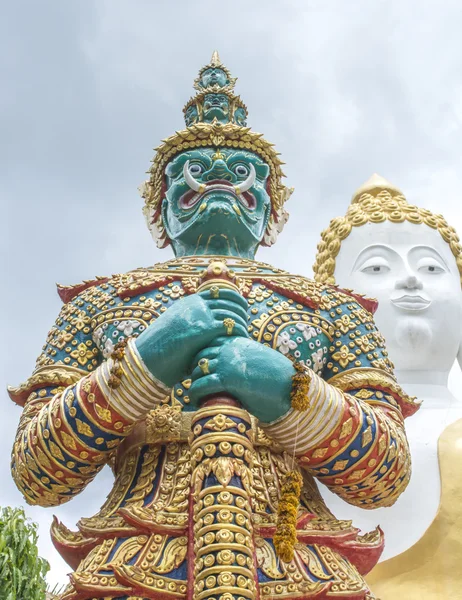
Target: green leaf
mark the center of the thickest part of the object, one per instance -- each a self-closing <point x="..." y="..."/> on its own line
<point x="22" y="571"/>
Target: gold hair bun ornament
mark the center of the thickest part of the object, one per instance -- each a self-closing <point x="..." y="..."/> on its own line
<point x="377" y="201"/>
<point x="285" y="536"/>
<point x="373" y="186"/>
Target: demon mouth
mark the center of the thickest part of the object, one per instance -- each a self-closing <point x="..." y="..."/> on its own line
<point x="193" y="196"/>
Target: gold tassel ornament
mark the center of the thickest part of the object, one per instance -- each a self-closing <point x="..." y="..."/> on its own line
<point x="285" y="536"/>
<point x="300" y="387"/>
<point x="116" y="372"/>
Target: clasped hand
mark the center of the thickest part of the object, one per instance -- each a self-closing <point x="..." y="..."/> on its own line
<point x="195" y="329"/>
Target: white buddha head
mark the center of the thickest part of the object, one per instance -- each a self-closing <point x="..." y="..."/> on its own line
<point x="410" y="260"/>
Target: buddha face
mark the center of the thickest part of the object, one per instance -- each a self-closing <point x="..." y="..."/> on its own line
<point x="216" y="196"/>
<point x="214" y="77"/>
<point x="413" y="274"/>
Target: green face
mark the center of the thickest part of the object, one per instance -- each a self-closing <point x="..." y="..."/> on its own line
<point x="214" y="76"/>
<point x="216" y="202"/>
<point x="216" y="106"/>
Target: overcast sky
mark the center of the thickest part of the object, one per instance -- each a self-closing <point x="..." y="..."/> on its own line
<point x="89" y="87"/>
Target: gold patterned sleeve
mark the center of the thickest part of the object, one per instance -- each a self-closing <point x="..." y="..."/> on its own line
<point x="352" y="436"/>
<point x="58" y="451"/>
<point x="76" y="416"/>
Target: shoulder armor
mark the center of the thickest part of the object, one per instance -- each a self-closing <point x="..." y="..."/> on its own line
<point x="68" y="292"/>
<point x="370" y="304"/>
<point x="127" y="284"/>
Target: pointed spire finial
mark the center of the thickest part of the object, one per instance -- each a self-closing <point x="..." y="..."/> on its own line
<point x="215" y="60"/>
<point x="375" y="184"/>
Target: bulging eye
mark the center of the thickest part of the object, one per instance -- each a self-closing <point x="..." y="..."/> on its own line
<point x="241" y="170"/>
<point x="196" y="169"/>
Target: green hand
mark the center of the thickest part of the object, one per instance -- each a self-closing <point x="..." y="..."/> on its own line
<point x="258" y="376"/>
<point x="169" y="344"/>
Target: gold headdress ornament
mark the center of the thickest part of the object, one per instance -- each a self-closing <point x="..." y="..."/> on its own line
<point x="197" y="101"/>
<point x="377" y="201"/>
<point x="214" y="134"/>
<point x="215" y="63"/>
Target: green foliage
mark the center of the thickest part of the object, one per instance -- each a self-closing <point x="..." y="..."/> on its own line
<point x="22" y="571"/>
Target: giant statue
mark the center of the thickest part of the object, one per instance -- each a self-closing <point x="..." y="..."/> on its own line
<point x="219" y="389"/>
<point x="411" y="261"/>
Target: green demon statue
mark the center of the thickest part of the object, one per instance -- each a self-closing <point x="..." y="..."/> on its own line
<point x="219" y="389"/>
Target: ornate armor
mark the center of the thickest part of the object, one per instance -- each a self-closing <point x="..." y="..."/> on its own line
<point x="142" y="543"/>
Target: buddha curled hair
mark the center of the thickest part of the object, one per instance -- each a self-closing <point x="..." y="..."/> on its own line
<point x="375" y="202"/>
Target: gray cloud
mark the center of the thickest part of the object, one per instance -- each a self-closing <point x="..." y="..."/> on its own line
<point x="89" y="88"/>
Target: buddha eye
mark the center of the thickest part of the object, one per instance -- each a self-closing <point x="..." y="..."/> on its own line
<point x="431" y="267"/>
<point x="241" y="170"/>
<point x="376" y="269"/>
<point x="376" y="265"/>
<point x="196" y="169"/>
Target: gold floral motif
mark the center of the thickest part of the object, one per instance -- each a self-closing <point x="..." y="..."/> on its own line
<point x="103" y="413"/>
<point x="80" y="321"/>
<point x="364" y="394"/>
<point x="220" y="423"/>
<point x="60" y="339"/>
<point x="344" y="356"/>
<point x="345" y="324"/>
<point x="366" y="437"/>
<point x="364" y="344"/>
<point x="82" y="354"/>
<point x="68" y="441"/>
<point x="84" y="428"/>
<point x="267" y="560"/>
<point x="163" y="423"/>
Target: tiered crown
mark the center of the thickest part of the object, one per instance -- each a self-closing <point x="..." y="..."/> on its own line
<point x="215" y="98"/>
